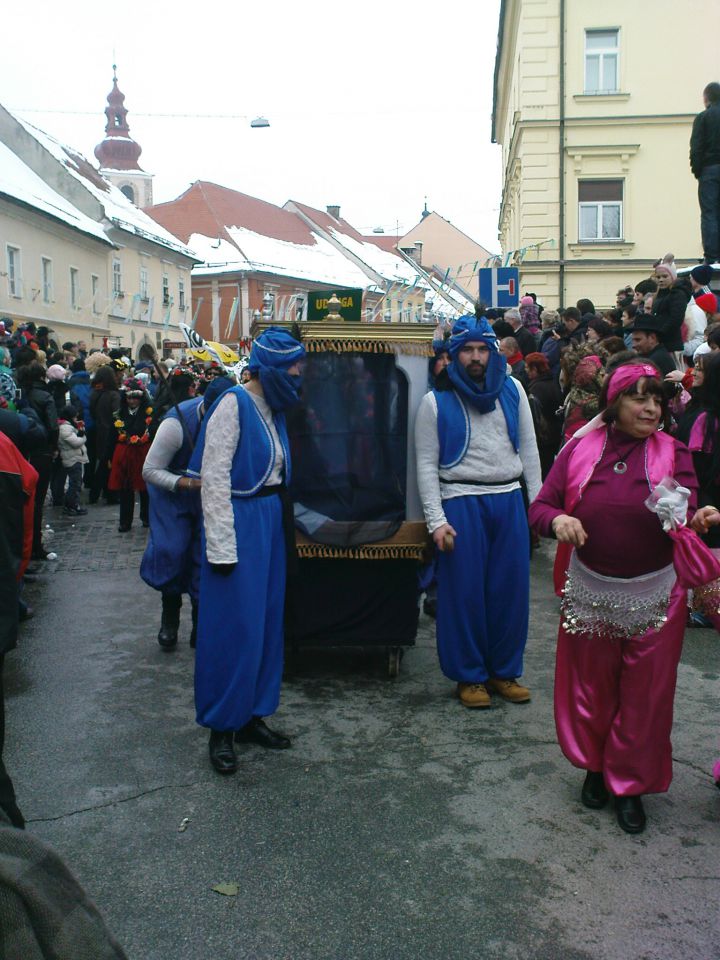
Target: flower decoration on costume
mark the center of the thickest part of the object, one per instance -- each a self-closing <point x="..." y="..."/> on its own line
<point x="118" y="423"/>
<point x="122" y="437"/>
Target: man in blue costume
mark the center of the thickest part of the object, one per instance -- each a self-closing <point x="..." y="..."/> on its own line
<point x="171" y="562"/>
<point x="474" y="439"/>
<point x="243" y="460"/>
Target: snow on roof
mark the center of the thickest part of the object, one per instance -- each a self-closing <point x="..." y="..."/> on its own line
<point x="118" y="209"/>
<point x="319" y="262"/>
<point x="19" y="182"/>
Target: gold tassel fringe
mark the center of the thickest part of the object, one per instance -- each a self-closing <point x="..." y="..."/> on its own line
<point x="415" y="348"/>
<point x="366" y="551"/>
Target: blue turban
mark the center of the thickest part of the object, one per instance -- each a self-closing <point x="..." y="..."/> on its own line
<point x="272" y="353"/>
<point x="470" y="329"/>
<point x="275" y="347"/>
<point x="216" y="389"/>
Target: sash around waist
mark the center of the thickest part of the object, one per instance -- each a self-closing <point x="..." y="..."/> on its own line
<point x="268" y="491"/>
<point x="480" y="483"/>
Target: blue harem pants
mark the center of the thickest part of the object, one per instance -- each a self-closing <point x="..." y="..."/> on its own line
<point x="171" y="562"/>
<point x="483" y="588"/>
<point x="239" y="655"/>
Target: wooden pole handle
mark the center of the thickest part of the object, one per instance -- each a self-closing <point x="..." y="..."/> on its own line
<point x="448" y="543"/>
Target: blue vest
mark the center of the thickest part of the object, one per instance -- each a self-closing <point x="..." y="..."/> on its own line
<point x="454" y="423"/>
<point x="255" y="453"/>
<point x="191" y="423"/>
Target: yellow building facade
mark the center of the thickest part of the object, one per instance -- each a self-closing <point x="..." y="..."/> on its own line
<point x="593" y="109"/>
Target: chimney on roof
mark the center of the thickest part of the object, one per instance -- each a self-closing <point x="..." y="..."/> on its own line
<point x="334" y="211"/>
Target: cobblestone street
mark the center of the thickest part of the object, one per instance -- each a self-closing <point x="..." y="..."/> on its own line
<point x="398" y="826"/>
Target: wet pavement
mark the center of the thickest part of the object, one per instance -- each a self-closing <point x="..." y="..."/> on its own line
<point x="400" y="825"/>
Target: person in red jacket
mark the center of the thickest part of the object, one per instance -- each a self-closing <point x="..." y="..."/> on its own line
<point x="17" y="495"/>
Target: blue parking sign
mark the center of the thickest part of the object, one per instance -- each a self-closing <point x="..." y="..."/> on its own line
<point x="500" y="287"/>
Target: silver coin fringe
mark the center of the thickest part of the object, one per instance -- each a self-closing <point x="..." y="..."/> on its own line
<point x="613" y="607"/>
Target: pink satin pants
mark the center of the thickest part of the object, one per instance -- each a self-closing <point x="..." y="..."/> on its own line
<point x="614" y="703"/>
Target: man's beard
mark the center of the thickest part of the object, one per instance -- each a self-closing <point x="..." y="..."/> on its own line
<point x="476" y="373"/>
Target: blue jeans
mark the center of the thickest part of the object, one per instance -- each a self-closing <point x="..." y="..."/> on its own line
<point x="709" y="197"/>
<point x="75" y="479"/>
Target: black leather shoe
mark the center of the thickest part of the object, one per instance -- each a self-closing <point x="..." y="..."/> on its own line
<point x="222" y="754"/>
<point x="123" y="529"/>
<point x="630" y="814"/>
<point x="594" y="792"/>
<point x="257" y="731"/>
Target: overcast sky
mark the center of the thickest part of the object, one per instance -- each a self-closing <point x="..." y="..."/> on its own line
<point x="373" y="105"/>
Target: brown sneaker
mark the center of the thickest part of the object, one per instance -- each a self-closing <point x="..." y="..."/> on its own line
<point x="509" y="690"/>
<point x="473" y="695"/>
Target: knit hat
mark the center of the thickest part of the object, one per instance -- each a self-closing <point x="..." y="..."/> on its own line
<point x="56" y="372"/>
<point x="702" y="274"/>
<point x="667" y="265"/>
<point x="706" y="301"/>
<point x="527" y="301"/>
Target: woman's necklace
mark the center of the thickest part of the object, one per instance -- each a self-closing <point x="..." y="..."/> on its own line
<point x="620" y="466"/>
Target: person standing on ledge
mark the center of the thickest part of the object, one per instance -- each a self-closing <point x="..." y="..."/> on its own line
<point x="474" y="439"/>
<point x="705" y="164"/>
<point x="243" y="459"/>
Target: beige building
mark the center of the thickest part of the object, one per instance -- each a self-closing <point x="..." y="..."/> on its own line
<point x="594" y="119"/>
<point x="77" y="255"/>
<point x="444" y="250"/>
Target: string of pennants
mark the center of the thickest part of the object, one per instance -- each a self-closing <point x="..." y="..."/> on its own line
<point x="512" y="256"/>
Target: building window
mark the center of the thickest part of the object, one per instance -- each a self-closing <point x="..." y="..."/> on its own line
<point x="47" y="280"/>
<point x="166" y="289"/>
<point x="117" y="278"/>
<point x="74" y="288"/>
<point x="128" y="191"/>
<point x="13" y="271"/>
<point x="95" y="287"/>
<point x="600" y="213"/>
<point x="144" y="295"/>
<point x="181" y="294"/>
<point x="601" y="61"/>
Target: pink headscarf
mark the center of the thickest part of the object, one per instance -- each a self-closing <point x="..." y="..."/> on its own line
<point x="625" y="376"/>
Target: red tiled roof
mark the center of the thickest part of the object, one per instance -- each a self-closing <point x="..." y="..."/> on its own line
<point x="208" y="208"/>
<point x="385" y="243"/>
<point x="324" y="220"/>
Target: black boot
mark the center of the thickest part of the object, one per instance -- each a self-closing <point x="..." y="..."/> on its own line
<point x="594" y="792"/>
<point x="170" y="621"/>
<point x="630" y="814"/>
<point x="193" y="632"/>
<point x="222" y="753"/>
<point x="257" y="731"/>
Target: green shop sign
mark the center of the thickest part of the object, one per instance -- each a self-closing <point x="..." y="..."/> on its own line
<point x="350" y="304"/>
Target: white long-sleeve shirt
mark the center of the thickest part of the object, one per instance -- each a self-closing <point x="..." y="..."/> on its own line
<point x="490" y="457"/>
<point x="221" y="439"/>
<point x="168" y="440"/>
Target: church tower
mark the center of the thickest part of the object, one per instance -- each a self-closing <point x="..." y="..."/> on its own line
<point x="118" y="153"/>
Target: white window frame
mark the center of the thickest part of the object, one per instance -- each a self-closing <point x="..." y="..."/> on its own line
<point x="117" y="277"/>
<point x="95" y="289"/>
<point x="599" y="206"/>
<point x="46" y="270"/>
<point x="13" y="256"/>
<point x="165" y="290"/>
<point x="182" y="305"/>
<point x="74" y="288"/>
<point x="602" y="53"/>
<point x="144" y="283"/>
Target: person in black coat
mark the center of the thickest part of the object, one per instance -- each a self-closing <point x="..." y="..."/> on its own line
<point x="669" y="304"/>
<point x="526" y="340"/>
<point x="646" y="343"/>
<point x="104" y="400"/>
<point x="38" y="399"/>
<point x="705" y="164"/>
<point x="545" y="402"/>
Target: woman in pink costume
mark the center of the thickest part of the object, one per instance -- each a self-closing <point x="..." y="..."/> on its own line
<point x="624" y="615"/>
